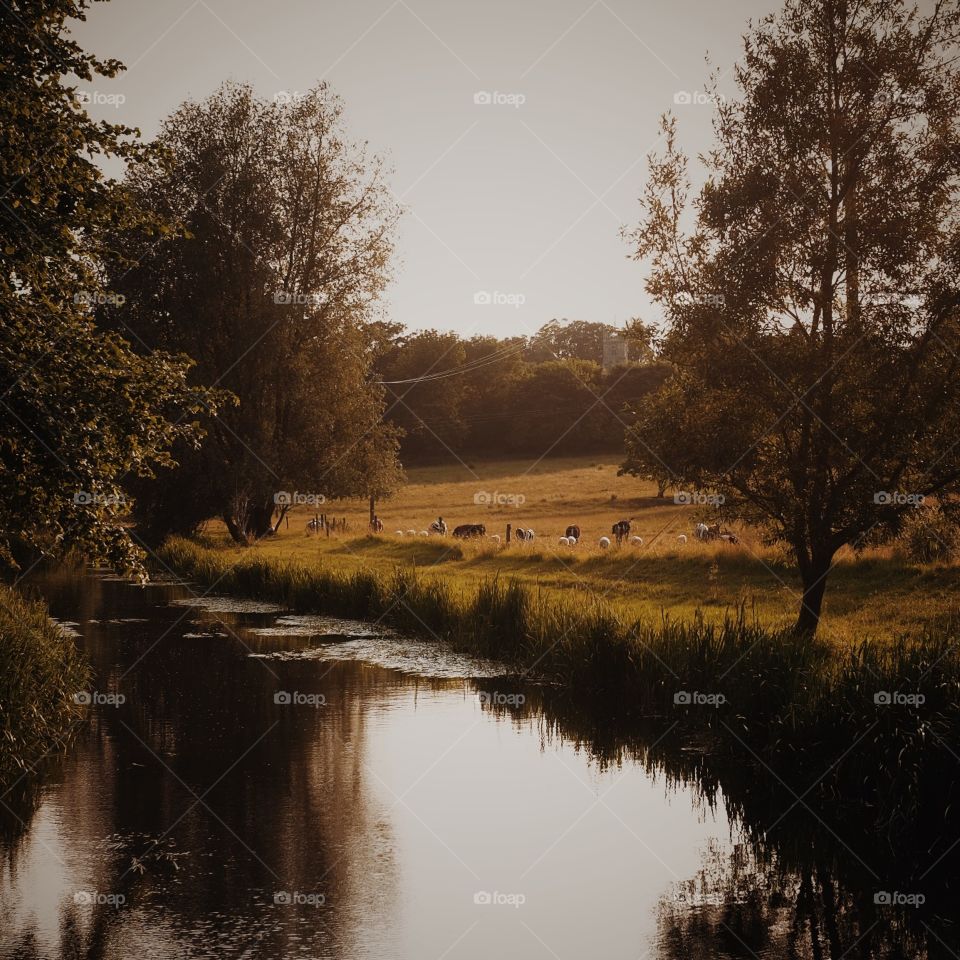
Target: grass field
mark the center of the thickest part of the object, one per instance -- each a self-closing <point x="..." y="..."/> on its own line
<point x="876" y="595"/>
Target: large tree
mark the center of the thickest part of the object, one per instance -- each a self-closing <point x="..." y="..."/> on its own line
<point x="80" y="412"/>
<point x="272" y="285"/>
<point x="813" y="304"/>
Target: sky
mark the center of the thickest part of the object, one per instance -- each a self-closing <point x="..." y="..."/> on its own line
<point x="516" y="131"/>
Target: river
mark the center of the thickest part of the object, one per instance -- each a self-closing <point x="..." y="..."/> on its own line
<point x="257" y="784"/>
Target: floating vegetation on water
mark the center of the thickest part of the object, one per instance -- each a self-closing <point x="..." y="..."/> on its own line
<point x="66" y="628"/>
<point x="421" y="657"/>
<point x="320" y="626"/>
<point x="225" y="604"/>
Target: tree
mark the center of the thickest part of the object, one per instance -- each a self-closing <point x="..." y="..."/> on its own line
<point x="583" y="340"/>
<point x="81" y="412"/>
<point x="494" y="368"/>
<point x="425" y="392"/>
<point x="559" y="410"/>
<point x="272" y="284"/>
<point x="813" y="306"/>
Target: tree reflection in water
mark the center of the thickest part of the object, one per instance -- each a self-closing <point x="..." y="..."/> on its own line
<point x="801" y="881"/>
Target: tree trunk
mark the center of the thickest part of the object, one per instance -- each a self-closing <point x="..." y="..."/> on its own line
<point x="252" y="519"/>
<point x="234" y="529"/>
<point x="373" y="508"/>
<point x="813" y="574"/>
<point x="260" y="519"/>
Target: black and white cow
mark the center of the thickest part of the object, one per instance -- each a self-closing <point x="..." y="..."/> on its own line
<point x="621" y="530"/>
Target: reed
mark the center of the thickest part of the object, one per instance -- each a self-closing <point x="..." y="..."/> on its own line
<point x="40" y="671"/>
<point x="582" y="642"/>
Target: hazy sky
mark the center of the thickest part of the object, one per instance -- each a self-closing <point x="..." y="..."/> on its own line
<point x="523" y="196"/>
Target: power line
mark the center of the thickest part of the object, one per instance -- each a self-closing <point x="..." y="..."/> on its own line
<point x="478" y="364"/>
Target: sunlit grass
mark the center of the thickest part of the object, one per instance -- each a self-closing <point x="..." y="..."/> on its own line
<point x="876" y="595"/>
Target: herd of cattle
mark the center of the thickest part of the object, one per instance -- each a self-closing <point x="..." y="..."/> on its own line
<point x="620" y="533"/>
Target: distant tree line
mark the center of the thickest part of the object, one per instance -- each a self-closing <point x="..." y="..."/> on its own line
<point x="542" y="395"/>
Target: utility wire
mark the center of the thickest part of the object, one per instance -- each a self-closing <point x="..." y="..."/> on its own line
<point x="478" y="364"/>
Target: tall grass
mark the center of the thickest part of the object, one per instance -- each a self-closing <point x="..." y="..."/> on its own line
<point x="581" y="642"/>
<point x="40" y="671"/>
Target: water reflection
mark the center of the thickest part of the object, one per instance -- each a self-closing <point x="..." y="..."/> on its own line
<point x="384" y="815"/>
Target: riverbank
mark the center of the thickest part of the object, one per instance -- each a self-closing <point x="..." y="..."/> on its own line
<point x="578" y="640"/>
<point x="40" y="672"/>
<point x="879" y="722"/>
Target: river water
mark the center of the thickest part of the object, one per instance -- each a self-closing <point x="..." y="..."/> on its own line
<point x="257" y="784"/>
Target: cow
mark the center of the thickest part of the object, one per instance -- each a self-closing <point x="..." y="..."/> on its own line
<point x="376" y="525"/>
<point x="621" y="530"/>
<point x="572" y="531"/>
<point x="706" y="533"/>
<point x="438" y="527"/>
<point x="467" y="531"/>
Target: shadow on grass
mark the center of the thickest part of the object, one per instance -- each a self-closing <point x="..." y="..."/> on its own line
<point x="422" y="551"/>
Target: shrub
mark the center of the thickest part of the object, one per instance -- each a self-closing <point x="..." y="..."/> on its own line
<point x="929" y="536"/>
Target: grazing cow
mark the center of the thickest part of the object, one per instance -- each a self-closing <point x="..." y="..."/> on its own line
<point x="703" y="532"/>
<point x="399" y="533"/>
<point x="572" y="531"/>
<point x="564" y="542"/>
<point x="604" y="543"/>
<point x="467" y="531"/>
<point x="438" y="527"/>
<point x="637" y="541"/>
<point x="524" y="535"/>
<point x="682" y="538"/>
<point x="621" y="530"/>
<point x="376" y="525"/>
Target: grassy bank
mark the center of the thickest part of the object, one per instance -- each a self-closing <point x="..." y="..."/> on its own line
<point x="583" y="642"/>
<point x="879" y="722"/>
<point x="879" y="593"/>
<point x="40" y="671"/>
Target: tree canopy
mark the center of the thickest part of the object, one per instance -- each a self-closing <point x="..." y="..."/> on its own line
<point x="271" y="284"/>
<point x="813" y="307"/>
<point x="80" y="412"/>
